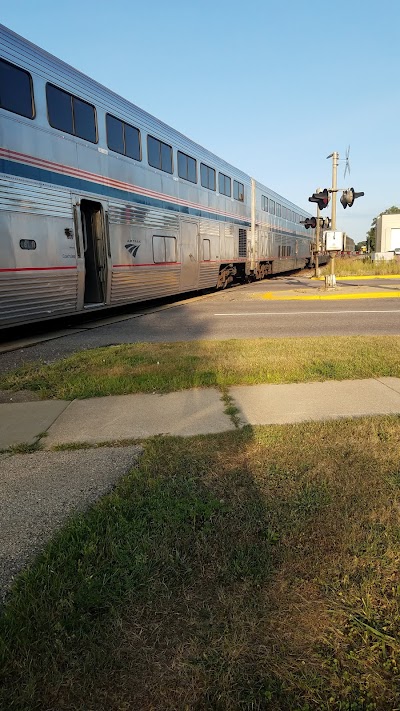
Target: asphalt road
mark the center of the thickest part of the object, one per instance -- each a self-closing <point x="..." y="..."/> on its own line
<point x="250" y="311"/>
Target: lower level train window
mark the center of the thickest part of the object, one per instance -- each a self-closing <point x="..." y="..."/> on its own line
<point x="164" y="249"/>
<point x="16" y="92"/>
<point x="206" y="250"/>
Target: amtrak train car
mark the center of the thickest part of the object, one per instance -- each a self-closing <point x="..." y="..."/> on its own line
<point x="102" y="204"/>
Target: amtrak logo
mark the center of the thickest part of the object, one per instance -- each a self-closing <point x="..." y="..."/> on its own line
<point x="132" y="248"/>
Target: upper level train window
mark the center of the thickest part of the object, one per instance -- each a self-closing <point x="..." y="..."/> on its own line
<point x="187" y="168"/>
<point x="224" y="184"/>
<point x="238" y="191"/>
<point x="289" y="215"/>
<point x="284" y="211"/>
<point x="272" y="207"/>
<point x="70" y="114"/>
<point x="264" y="203"/>
<point x="16" y="92"/>
<point x="278" y="209"/>
<point x="159" y="154"/>
<point x="123" y="138"/>
<point x="207" y="176"/>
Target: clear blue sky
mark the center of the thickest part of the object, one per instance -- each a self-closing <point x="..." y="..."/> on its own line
<point x="272" y="87"/>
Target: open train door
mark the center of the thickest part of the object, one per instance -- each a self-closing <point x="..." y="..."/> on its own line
<point x="189" y="255"/>
<point x="93" y="252"/>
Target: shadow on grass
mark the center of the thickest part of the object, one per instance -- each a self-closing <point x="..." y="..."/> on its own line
<point x="237" y="571"/>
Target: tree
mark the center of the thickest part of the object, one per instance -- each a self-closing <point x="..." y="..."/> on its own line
<point x="371" y="234"/>
<point x="359" y="245"/>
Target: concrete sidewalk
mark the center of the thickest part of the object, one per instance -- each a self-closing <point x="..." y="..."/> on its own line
<point x="199" y="411"/>
<point x="41" y="490"/>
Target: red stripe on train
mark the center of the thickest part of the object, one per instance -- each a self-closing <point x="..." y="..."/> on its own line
<point x="35" y="269"/>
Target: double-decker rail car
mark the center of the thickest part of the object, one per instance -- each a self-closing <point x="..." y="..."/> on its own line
<point x="102" y="204"/>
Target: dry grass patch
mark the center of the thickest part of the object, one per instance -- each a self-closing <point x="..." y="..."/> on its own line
<point x="165" y="367"/>
<point x="257" y="569"/>
<point x="363" y="267"/>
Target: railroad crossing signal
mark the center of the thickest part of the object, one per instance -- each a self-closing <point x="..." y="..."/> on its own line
<point x="322" y="198"/>
<point x="325" y="223"/>
<point x="349" y="196"/>
<point x="309" y="222"/>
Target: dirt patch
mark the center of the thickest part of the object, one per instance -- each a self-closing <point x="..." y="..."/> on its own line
<point x="18" y="396"/>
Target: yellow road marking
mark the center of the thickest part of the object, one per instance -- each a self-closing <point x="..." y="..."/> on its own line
<point x="330" y="297"/>
<point x="352" y="278"/>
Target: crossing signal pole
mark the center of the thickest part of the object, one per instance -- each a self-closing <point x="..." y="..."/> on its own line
<point x="322" y="198"/>
<point x="335" y="162"/>
<point x="317" y="238"/>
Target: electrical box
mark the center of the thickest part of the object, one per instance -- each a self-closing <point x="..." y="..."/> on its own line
<point x="333" y="241"/>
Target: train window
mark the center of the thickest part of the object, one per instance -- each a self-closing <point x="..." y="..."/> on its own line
<point x="132" y="142"/>
<point x="284" y="211"/>
<point x="206" y="250"/>
<point x="207" y="176"/>
<point x="123" y="138"/>
<point x="70" y="114"/>
<point x="278" y="209"/>
<point x="224" y="184"/>
<point x="187" y="167"/>
<point x="159" y="154"/>
<point x="164" y="249"/>
<point x="16" y="93"/>
<point x="264" y="203"/>
<point x="115" y="134"/>
<point x="84" y="120"/>
<point x="289" y="215"/>
<point x="238" y="191"/>
<point x="272" y="207"/>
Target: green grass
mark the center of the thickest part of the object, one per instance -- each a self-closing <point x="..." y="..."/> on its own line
<point x="254" y="570"/>
<point x="165" y="367"/>
<point x="362" y="267"/>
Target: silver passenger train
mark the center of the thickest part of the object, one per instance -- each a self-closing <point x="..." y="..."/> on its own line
<point x="102" y="204"/>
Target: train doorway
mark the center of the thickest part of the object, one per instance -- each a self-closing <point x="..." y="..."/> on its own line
<point x="95" y="253"/>
<point x="189" y="255"/>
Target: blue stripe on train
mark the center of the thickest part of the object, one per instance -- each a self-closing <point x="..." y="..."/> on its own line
<point x="22" y="170"/>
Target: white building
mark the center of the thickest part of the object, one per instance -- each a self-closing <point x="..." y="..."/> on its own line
<point x="388" y="233"/>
